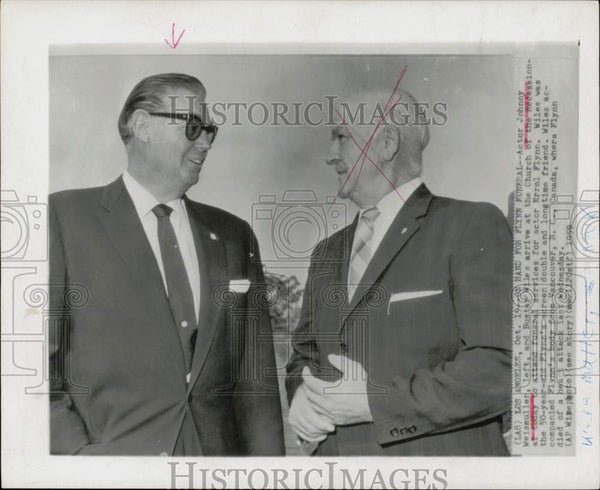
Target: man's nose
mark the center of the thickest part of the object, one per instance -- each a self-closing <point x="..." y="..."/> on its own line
<point x="334" y="153"/>
<point x="203" y="142"/>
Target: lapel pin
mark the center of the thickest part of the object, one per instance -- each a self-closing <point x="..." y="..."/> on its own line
<point x="251" y="254"/>
<point x="404" y="230"/>
<point x="213" y="236"/>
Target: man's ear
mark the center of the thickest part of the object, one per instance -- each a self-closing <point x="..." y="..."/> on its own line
<point x="390" y="143"/>
<point x="140" y="125"/>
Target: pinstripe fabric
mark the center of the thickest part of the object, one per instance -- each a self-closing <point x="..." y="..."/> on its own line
<point x="361" y="250"/>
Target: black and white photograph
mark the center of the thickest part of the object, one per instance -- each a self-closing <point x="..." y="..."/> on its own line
<point x="246" y="263"/>
<point x="394" y="341"/>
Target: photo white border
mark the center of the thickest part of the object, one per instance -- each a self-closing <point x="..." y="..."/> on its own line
<point x="30" y="28"/>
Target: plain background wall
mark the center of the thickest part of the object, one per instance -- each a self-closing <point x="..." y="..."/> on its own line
<point x="470" y="157"/>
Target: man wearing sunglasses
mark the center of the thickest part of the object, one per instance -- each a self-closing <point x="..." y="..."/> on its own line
<point x="165" y="357"/>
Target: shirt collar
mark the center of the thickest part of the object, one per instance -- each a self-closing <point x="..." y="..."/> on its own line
<point x="393" y="201"/>
<point x="143" y="200"/>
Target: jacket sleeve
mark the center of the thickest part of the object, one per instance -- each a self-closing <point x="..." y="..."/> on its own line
<point x="67" y="430"/>
<point x="305" y="348"/>
<point x="476" y="384"/>
<point x="256" y="398"/>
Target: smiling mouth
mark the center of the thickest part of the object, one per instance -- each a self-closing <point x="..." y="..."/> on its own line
<point x="194" y="161"/>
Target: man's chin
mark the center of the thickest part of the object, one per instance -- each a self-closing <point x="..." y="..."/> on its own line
<point x="344" y="190"/>
<point x="194" y="179"/>
<point x="191" y="178"/>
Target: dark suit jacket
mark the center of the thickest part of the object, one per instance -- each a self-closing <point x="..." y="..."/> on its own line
<point x="438" y="365"/>
<point x="117" y="368"/>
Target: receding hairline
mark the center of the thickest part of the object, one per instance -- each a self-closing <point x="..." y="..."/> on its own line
<point x="415" y="137"/>
<point x="376" y="98"/>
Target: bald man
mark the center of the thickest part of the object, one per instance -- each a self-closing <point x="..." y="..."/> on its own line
<point x="403" y="346"/>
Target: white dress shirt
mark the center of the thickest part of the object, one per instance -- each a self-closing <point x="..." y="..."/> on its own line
<point x="389" y="207"/>
<point x="144" y="201"/>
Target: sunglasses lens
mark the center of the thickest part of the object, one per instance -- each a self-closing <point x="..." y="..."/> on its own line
<point x="212" y="133"/>
<point x="193" y="130"/>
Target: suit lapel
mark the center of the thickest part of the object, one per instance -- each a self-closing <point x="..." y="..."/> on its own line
<point x="334" y="288"/>
<point x="125" y="230"/>
<point x="404" y="226"/>
<point x="346" y="249"/>
<point x="213" y="273"/>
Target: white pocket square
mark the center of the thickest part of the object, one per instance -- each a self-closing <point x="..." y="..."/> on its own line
<point x="239" y="285"/>
<point x="411" y="295"/>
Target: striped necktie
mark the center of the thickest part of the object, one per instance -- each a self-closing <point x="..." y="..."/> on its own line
<point x="361" y="250"/>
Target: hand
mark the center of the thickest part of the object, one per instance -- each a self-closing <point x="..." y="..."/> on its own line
<point x="342" y="402"/>
<point x="305" y="422"/>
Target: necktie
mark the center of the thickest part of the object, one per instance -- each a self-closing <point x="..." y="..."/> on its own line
<point x="361" y="250"/>
<point x="180" y="294"/>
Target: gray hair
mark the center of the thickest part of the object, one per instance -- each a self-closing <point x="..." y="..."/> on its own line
<point x="149" y="95"/>
<point x="414" y="136"/>
<point x="402" y="114"/>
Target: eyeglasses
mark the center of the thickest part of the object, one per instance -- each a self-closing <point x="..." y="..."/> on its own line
<point x="194" y="126"/>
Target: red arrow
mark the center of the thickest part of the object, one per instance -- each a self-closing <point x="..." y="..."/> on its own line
<point x="175" y="43"/>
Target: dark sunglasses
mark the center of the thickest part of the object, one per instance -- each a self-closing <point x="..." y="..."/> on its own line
<point x="194" y="126"/>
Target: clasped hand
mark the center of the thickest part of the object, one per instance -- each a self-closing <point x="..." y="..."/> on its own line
<point x="319" y="406"/>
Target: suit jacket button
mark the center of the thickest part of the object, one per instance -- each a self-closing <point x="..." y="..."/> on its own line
<point x="343" y="348"/>
<point x="164" y="453"/>
<point x="394" y="432"/>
